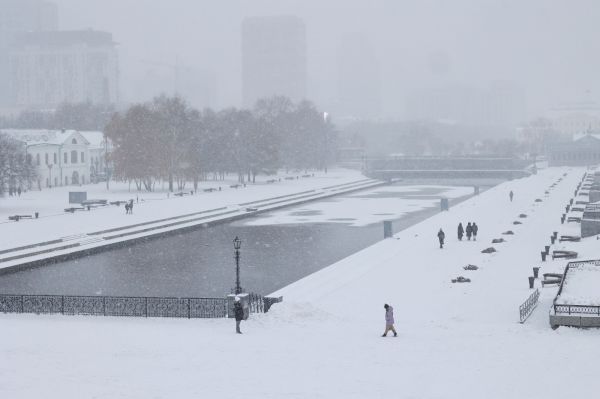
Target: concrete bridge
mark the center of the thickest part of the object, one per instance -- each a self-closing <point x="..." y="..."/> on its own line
<point x="404" y="167"/>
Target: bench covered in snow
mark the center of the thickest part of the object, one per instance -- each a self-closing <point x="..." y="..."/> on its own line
<point x="16" y="218"/>
<point x="569" y="238"/>
<point x="74" y="208"/>
<point x="564" y="254"/>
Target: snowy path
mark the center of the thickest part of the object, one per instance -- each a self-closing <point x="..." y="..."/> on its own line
<point x="455" y="340"/>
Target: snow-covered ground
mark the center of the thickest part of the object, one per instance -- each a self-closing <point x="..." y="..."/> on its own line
<point x="360" y="209"/>
<point x="54" y="222"/>
<point x="454" y="341"/>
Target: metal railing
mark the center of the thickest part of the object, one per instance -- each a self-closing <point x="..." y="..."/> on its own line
<point x="261" y="304"/>
<point x="115" y="306"/>
<point x="190" y="308"/>
<point x="527" y="307"/>
<point x="577" y="309"/>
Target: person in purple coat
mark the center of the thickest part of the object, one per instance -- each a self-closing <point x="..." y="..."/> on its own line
<point x="389" y="320"/>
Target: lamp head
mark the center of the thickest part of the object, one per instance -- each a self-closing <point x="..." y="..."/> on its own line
<point x="237" y="243"/>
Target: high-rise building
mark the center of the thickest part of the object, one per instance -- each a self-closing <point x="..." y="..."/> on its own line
<point x="49" y="68"/>
<point x="273" y="58"/>
<point x="17" y="17"/>
<point x="498" y="108"/>
<point x="359" y="84"/>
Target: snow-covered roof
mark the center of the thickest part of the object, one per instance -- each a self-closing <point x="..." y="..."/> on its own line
<point x="45" y="136"/>
<point x="579" y="136"/>
<point x="95" y="138"/>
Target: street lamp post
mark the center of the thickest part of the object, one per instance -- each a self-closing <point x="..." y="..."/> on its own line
<point x="49" y="174"/>
<point x="237" y="244"/>
<point x="106" y="161"/>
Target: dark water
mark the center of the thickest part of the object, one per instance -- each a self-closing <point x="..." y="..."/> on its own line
<point x="201" y="262"/>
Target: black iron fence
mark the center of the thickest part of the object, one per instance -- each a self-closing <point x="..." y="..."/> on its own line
<point x="114" y="306"/>
<point x="127" y="306"/>
<point x="577" y="309"/>
<point x="261" y="304"/>
<point x="527" y="307"/>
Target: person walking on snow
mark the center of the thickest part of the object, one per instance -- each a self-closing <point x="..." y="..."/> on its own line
<point x="441" y="237"/>
<point x="475" y="228"/>
<point x="389" y="320"/>
<point x="238" y="311"/>
<point x="469" y="231"/>
<point x="461" y="231"/>
<point x="510" y="195"/>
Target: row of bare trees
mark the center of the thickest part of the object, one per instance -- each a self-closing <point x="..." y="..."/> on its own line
<point x="167" y="139"/>
<point x="15" y="170"/>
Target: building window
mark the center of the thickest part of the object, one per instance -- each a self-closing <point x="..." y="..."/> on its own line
<point x="46" y="158"/>
<point x="82" y="157"/>
<point x="66" y="180"/>
<point x="29" y="159"/>
<point x="65" y="157"/>
<point x="73" y="156"/>
<point x="73" y="141"/>
<point x="55" y="158"/>
<point x="37" y="159"/>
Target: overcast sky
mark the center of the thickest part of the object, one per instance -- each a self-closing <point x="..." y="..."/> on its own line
<point x="549" y="47"/>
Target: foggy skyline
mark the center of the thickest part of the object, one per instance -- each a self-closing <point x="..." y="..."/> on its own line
<point x="545" y="47"/>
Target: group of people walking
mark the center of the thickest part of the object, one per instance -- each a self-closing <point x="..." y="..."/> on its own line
<point x="471" y="231"/>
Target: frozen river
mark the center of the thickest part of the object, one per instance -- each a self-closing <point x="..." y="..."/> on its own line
<point x="278" y="248"/>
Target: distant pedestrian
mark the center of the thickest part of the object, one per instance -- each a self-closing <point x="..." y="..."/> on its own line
<point x="469" y="231"/>
<point x="461" y="231"/>
<point x="441" y="237"/>
<point x="127" y="208"/>
<point x="475" y="228"/>
<point x="131" y="207"/>
<point x="510" y="195"/>
<point x="137" y="199"/>
<point x="389" y="320"/>
<point x="238" y="311"/>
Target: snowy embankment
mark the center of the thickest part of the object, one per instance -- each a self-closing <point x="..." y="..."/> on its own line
<point x="455" y="340"/>
<point x="59" y="235"/>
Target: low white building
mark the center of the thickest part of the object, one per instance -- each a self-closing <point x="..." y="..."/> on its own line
<point x="63" y="157"/>
<point x="575" y="117"/>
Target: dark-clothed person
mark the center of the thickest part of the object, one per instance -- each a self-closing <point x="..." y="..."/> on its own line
<point x="238" y="311"/>
<point x="461" y="231"/>
<point x="441" y="237"/>
<point x="469" y="231"/>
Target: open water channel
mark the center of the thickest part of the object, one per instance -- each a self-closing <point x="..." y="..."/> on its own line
<point x="278" y="248"/>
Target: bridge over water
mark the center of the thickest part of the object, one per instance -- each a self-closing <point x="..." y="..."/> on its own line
<point x="434" y="167"/>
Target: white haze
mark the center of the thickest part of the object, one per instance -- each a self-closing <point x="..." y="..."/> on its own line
<point x="546" y="47"/>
